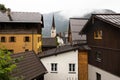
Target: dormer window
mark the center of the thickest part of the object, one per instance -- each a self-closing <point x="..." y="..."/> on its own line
<point x="98" y="34"/>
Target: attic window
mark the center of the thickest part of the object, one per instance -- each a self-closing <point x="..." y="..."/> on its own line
<point x="98" y="34"/>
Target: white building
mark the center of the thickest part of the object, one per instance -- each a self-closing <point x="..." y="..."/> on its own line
<point x="65" y="63"/>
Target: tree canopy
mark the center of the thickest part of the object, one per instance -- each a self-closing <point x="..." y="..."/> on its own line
<point x="7" y="65"/>
<point x="2" y="7"/>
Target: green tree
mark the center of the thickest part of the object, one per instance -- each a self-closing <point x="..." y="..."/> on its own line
<point x="6" y="64"/>
<point x="2" y="8"/>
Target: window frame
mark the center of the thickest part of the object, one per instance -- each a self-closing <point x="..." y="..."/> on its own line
<point x="12" y="39"/>
<point x="26" y="39"/>
<point x="72" y="68"/>
<point x="98" y="34"/>
<point x="98" y="76"/>
<point x="54" y="67"/>
<point x="3" y="40"/>
<point x="98" y="56"/>
<point x="39" y="39"/>
<point x="11" y="50"/>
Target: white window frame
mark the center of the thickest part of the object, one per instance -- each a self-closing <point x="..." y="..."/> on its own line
<point x="72" y="67"/>
<point x="54" y="67"/>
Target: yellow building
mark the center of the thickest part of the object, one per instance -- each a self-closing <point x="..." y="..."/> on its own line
<point x="21" y="31"/>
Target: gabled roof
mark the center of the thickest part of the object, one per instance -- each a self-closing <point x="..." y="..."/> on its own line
<point x="61" y="50"/>
<point x="29" y="66"/>
<point x="113" y="19"/>
<point x="21" y="17"/>
<point x="76" y="24"/>
<point x="49" y="42"/>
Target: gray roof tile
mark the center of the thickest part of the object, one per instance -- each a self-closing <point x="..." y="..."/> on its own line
<point x="32" y="17"/>
<point x="76" y="25"/>
<point x="48" y="41"/>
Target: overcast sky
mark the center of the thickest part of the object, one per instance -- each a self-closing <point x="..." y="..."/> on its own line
<point x="46" y="6"/>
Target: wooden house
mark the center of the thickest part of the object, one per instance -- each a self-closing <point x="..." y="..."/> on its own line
<point x="75" y="26"/>
<point x="103" y="37"/>
<point x="66" y="63"/>
<point x="29" y="66"/>
<point x="21" y="31"/>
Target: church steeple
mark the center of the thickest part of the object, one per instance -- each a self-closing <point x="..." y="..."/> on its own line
<point x="53" y="28"/>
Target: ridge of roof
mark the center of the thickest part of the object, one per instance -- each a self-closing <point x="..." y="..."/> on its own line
<point x="107" y="14"/>
<point x="79" y="18"/>
<point x="61" y="50"/>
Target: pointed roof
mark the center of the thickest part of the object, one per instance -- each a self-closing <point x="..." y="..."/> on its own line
<point x="75" y="26"/>
<point x="53" y="22"/>
<point x="113" y="19"/>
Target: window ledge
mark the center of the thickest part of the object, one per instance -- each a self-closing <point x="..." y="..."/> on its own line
<point x="72" y="72"/>
<point x="53" y="72"/>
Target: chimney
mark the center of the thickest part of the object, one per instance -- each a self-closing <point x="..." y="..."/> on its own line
<point x="9" y="14"/>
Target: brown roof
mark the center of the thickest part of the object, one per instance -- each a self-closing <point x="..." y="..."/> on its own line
<point x="76" y="24"/>
<point x="29" y="66"/>
<point x="113" y="19"/>
<point x="49" y="42"/>
<point x="62" y="49"/>
<point x="21" y="17"/>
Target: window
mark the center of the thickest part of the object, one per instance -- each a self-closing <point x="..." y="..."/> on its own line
<point x="27" y="39"/>
<point x="39" y="39"/>
<point x="71" y="67"/>
<point x="98" y="76"/>
<point x="12" y="39"/>
<point x="26" y="50"/>
<point x="2" y="39"/>
<point x="98" y="56"/>
<point x="12" y="51"/>
<point x="98" y="34"/>
<point x="53" y="67"/>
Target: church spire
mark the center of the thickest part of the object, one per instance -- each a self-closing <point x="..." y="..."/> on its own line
<point x="53" y="28"/>
<point x="53" y="22"/>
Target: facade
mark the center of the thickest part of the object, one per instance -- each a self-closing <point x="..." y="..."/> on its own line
<point x="29" y="67"/>
<point x="53" y="28"/>
<point x="21" y="31"/>
<point x="103" y="36"/>
<point x="66" y="63"/>
<point x="75" y="26"/>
